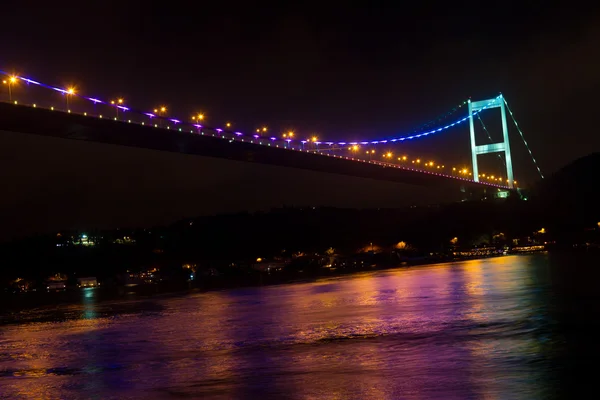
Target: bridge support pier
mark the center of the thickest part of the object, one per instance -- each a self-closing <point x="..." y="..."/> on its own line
<point x="499" y="147"/>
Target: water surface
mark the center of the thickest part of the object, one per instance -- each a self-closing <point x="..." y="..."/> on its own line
<point x="521" y="327"/>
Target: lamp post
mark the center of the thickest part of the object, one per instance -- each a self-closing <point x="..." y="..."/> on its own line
<point x="198" y="118"/>
<point x="11" y="80"/>
<point x="160" y="111"/>
<point x="70" y="92"/>
<point x="117" y="103"/>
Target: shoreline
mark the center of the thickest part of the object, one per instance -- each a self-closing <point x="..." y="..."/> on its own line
<point x="107" y="295"/>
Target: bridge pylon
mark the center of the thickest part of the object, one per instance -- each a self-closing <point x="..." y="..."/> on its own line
<point x="498" y="147"/>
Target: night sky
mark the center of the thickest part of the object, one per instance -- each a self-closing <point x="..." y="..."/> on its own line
<point x="332" y="70"/>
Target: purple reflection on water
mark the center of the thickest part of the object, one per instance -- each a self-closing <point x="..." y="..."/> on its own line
<point x="468" y="330"/>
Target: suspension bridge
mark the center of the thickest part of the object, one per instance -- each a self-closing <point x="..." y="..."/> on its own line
<point x="30" y="106"/>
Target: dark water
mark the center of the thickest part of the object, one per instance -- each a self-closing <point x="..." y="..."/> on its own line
<point x="516" y="327"/>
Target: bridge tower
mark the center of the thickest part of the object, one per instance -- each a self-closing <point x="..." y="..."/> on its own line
<point x="503" y="146"/>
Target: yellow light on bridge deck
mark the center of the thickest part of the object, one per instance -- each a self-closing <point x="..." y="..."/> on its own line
<point x="228" y="125"/>
<point x="71" y="90"/>
<point x="13" y="79"/>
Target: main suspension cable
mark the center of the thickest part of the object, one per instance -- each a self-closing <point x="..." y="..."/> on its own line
<point x="523" y="138"/>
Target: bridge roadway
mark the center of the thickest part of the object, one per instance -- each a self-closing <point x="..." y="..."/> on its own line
<point x="39" y="121"/>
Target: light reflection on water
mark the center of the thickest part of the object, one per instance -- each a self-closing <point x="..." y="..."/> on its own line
<point x="483" y="329"/>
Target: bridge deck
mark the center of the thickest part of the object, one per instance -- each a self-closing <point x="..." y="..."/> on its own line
<point x="58" y="124"/>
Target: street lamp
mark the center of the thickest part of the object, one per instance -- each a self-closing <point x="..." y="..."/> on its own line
<point x="117" y="103"/>
<point x="70" y="92"/>
<point x="228" y="124"/>
<point x="160" y="111"/>
<point x="198" y="118"/>
<point x="11" y="80"/>
<point x="314" y="140"/>
<point x="288" y="137"/>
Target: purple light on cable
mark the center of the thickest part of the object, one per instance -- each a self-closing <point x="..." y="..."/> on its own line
<point x="342" y="143"/>
<point x="219" y="130"/>
<point x="239" y="133"/>
<point x="150" y="115"/>
<point x="256" y="136"/>
<point x="329" y="143"/>
<point x="123" y="108"/>
<point x="303" y="141"/>
<point x="30" y="81"/>
<point x="273" y="138"/>
<point x="94" y="100"/>
<point x="175" y="120"/>
<point x="198" y="126"/>
<point x="63" y="91"/>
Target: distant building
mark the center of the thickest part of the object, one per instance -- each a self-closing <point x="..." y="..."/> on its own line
<point x="125" y="240"/>
<point x="268" y="266"/>
<point x="87" y="282"/>
<point x="56" y="282"/>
